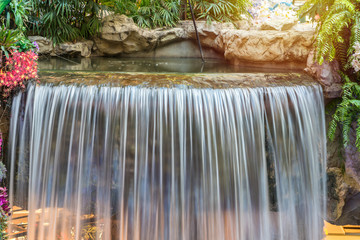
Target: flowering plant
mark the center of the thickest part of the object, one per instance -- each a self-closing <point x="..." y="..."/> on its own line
<point x="18" y="69"/>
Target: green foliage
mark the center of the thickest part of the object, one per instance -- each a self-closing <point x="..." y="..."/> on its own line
<point x="347" y="112"/>
<point x="221" y="10"/>
<point x="338" y="37"/>
<point x="16" y="14"/>
<point x="155" y="13"/>
<point x="65" y="20"/>
<point x="13" y="20"/>
<point x="8" y="39"/>
<point x="3" y="4"/>
<point x="3" y="227"/>
<point x="335" y="17"/>
<point x="24" y="45"/>
<point x="150" y="13"/>
<point x="19" y="10"/>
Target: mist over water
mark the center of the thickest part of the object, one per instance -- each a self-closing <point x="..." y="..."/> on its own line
<point x="136" y="163"/>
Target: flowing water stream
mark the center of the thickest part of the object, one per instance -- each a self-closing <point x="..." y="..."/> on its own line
<point x="179" y="163"/>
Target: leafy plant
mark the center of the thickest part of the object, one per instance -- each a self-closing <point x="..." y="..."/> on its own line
<point x="339" y="38"/>
<point x="24" y="45"/>
<point x="16" y="14"/>
<point x="3" y="4"/>
<point x="150" y="13"/>
<point x="336" y="18"/>
<point x="8" y="39"/>
<point x="221" y="10"/>
<point x="65" y="20"/>
<point x="347" y="112"/>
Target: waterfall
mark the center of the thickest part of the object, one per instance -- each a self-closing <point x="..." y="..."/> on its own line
<point x="147" y="163"/>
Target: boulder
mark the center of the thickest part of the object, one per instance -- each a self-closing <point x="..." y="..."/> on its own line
<point x="327" y="75"/>
<point x="120" y="35"/>
<point x="82" y="48"/>
<point x="46" y="47"/>
<point x="271" y="46"/>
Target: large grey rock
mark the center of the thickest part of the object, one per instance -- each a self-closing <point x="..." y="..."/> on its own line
<point x="327" y="75"/>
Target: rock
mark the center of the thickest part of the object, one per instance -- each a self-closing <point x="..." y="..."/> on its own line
<point x="244" y="24"/>
<point x="327" y="75"/>
<point x="335" y="149"/>
<point x="279" y="24"/>
<point x="336" y="195"/>
<point x="304" y="27"/>
<point x="208" y="33"/>
<point x="333" y="91"/>
<point x="351" y="210"/>
<point x="352" y="156"/>
<point x="45" y="45"/>
<point x="266" y="46"/>
<point x="82" y="48"/>
<point x="343" y="186"/>
<point x="120" y="35"/>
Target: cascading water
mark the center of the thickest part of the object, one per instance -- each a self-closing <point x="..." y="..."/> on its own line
<point x="169" y="163"/>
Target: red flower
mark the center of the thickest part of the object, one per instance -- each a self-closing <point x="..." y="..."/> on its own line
<point x="19" y="68"/>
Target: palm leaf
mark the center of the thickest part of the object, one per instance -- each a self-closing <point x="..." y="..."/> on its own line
<point x="3" y="4"/>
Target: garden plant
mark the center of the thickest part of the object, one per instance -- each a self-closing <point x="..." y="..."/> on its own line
<point x="338" y="38"/>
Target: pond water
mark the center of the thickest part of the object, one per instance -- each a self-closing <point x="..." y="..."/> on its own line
<point x="164" y="65"/>
<point x="214" y="73"/>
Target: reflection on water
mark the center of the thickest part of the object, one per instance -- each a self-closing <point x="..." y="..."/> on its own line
<point x="154" y="163"/>
<point x="178" y="65"/>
